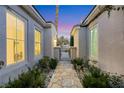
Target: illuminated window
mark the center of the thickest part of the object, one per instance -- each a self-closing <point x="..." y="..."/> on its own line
<point x="37" y="42"/>
<point x="94" y="43"/>
<point x="15" y="39"/>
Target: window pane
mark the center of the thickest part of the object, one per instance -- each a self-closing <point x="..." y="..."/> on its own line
<point x="37" y="36"/>
<point x="11" y="26"/>
<point x="15" y="39"/>
<point x="20" y="29"/>
<point x="10" y="51"/>
<point x="94" y="44"/>
<point x="37" y="48"/>
<point x="19" y="55"/>
<point x="37" y="42"/>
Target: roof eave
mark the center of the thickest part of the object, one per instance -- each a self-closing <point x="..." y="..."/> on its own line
<point x="33" y="13"/>
<point x="97" y="10"/>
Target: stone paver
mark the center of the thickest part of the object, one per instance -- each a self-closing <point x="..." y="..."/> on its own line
<point x="65" y="76"/>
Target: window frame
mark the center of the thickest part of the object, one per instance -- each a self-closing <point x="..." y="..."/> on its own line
<point x="92" y="57"/>
<point x="18" y="17"/>
<point x="37" y="29"/>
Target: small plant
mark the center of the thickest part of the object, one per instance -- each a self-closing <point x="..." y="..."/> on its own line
<point x="94" y="77"/>
<point x="95" y="72"/>
<point x="44" y="64"/>
<point x="31" y="79"/>
<point x="53" y="63"/>
<point x="92" y="82"/>
<point x="78" y="61"/>
<point x="35" y="77"/>
<point x="116" y="81"/>
<point x="86" y="64"/>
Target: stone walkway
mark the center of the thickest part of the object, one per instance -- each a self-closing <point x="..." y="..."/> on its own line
<point x="65" y="76"/>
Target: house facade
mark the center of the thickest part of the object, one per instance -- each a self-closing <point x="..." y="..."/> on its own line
<point x="104" y="37"/>
<point x="23" y="35"/>
<point x="79" y="36"/>
<point x="50" y="40"/>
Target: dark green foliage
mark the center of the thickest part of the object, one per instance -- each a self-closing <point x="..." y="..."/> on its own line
<point x="78" y="61"/>
<point x="94" y="77"/>
<point x="53" y="63"/>
<point x="116" y="81"/>
<point x="31" y="79"/>
<point x="44" y="64"/>
<point x="86" y="64"/>
<point x="34" y="77"/>
<point x="90" y="81"/>
<point x="95" y="72"/>
<point x="71" y="41"/>
<point x="47" y="63"/>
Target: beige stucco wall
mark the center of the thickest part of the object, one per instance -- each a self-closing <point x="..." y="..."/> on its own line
<point x="50" y="35"/>
<point x="12" y="71"/>
<point x="111" y="41"/>
<point x="83" y="42"/>
<point x="75" y="34"/>
<point x="79" y="34"/>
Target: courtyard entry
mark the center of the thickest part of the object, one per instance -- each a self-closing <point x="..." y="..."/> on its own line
<point x="64" y="53"/>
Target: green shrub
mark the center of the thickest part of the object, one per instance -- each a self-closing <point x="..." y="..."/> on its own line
<point x="95" y="72"/>
<point x="53" y="63"/>
<point x="47" y="63"/>
<point x="72" y="41"/>
<point x="86" y="64"/>
<point x="31" y="79"/>
<point x="116" y="81"/>
<point x="92" y="82"/>
<point x="78" y="61"/>
<point x="34" y="77"/>
<point x="94" y="77"/>
<point x="44" y="64"/>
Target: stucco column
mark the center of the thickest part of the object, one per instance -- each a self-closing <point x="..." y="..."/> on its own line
<point x="73" y="53"/>
<point x="57" y="53"/>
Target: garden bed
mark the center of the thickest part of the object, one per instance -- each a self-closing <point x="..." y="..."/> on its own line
<point x="37" y="77"/>
<point x="93" y="77"/>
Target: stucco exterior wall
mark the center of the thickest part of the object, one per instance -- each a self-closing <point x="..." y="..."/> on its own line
<point x="83" y="43"/>
<point x="76" y="41"/>
<point x="80" y="39"/>
<point x="47" y="42"/>
<point x="50" y="36"/>
<point x="54" y="38"/>
<point x="12" y="71"/>
<point x="111" y="41"/>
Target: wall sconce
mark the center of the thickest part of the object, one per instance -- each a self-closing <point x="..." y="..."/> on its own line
<point x="55" y="42"/>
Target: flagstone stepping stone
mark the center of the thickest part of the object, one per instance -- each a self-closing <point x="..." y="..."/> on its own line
<point x="65" y="76"/>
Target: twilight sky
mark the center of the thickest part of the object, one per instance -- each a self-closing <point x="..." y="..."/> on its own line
<point x="69" y="15"/>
